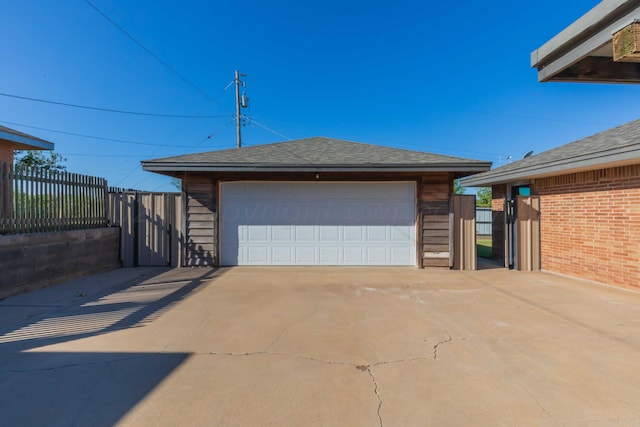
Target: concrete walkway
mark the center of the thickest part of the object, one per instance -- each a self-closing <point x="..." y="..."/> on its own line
<point x="320" y="346"/>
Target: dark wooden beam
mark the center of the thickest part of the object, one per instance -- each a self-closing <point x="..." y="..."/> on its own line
<point x="600" y="70"/>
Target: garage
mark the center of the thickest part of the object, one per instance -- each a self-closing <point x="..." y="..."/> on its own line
<point x="318" y="223"/>
<point x="319" y="201"/>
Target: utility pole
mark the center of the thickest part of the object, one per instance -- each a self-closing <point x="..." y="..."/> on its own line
<point x="240" y="102"/>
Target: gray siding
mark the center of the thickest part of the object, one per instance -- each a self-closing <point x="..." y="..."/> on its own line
<point x="201" y="221"/>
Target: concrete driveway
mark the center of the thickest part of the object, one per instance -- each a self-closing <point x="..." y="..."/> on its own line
<point x="320" y="346"/>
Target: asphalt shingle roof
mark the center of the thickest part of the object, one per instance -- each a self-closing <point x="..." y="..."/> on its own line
<point x="311" y="152"/>
<point x="614" y="146"/>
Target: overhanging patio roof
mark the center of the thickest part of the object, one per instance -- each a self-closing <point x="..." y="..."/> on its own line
<point x="583" y="52"/>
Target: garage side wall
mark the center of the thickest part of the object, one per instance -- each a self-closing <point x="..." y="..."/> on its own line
<point x="435" y="194"/>
<point x="590" y="225"/>
<point x="201" y="221"/>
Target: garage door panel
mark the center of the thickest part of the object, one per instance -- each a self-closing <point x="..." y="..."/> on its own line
<point x="282" y="255"/>
<point x="257" y="255"/>
<point x="354" y="255"/>
<point x="306" y="255"/>
<point x="377" y="233"/>
<point x="317" y="223"/>
<point x="377" y="255"/>
<point x="330" y="233"/>
<point x="282" y="233"/>
<point x="258" y="233"/>
<point x="330" y="255"/>
<point x="305" y="233"/>
<point x="353" y="234"/>
<point x="399" y="254"/>
<point x="399" y="234"/>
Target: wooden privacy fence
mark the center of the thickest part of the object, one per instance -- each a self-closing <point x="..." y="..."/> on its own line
<point x="151" y="227"/>
<point x="37" y="200"/>
<point x="528" y="233"/>
<point x="464" y="232"/>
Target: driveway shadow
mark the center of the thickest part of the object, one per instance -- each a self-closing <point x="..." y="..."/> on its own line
<point x="88" y="388"/>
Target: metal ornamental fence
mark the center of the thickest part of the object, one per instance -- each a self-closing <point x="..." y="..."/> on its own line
<point x="37" y="200"/>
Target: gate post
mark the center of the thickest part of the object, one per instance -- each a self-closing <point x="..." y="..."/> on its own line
<point x="528" y="233"/>
<point x="464" y="230"/>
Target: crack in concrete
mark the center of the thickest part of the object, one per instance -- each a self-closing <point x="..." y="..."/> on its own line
<point x="435" y="347"/>
<point x="325" y="361"/>
<point x="391" y="362"/>
<point x="274" y="353"/>
<point x="74" y="365"/>
<point x="537" y="401"/>
<point x="363" y="368"/>
<point x="286" y="328"/>
<point x="84" y="406"/>
<point x="435" y="319"/>
<point x="375" y="390"/>
<point x="232" y="354"/>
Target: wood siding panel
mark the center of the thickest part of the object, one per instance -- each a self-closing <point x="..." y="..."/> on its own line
<point x="201" y="221"/>
<point x="435" y="192"/>
<point x="464" y="219"/>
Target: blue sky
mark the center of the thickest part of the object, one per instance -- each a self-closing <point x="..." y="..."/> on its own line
<point x="431" y="76"/>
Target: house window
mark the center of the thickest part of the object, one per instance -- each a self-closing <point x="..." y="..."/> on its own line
<point x="520" y="190"/>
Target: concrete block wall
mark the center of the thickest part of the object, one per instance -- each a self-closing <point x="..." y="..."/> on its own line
<point x="32" y="261"/>
<point x="590" y="225"/>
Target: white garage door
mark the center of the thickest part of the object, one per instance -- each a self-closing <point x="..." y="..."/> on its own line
<point x="314" y="223"/>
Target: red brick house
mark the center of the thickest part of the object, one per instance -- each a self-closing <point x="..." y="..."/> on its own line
<point x="589" y="205"/>
<point x="11" y="140"/>
<point x="585" y="196"/>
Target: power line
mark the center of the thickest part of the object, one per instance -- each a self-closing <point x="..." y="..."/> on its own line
<point x="266" y="128"/>
<point x="124" y="141"/>
<point x="140" y="156"/>
<point x="156" y="57"/>
<point x="167" y="140"/>
<point x="112" y="110"/>
<point x="212" y="134"/>
<point x="208" y="137"/>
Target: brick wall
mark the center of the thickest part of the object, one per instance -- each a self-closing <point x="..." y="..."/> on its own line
<point x="6" y="154"/>
<point x="498" y="192"/>
<point x="590" y="225"/>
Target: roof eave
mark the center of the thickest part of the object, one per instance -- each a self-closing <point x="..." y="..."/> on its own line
<point x="563" y="167"/>
<point x="20" y="142"/>
<point x="191" y="167"/>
